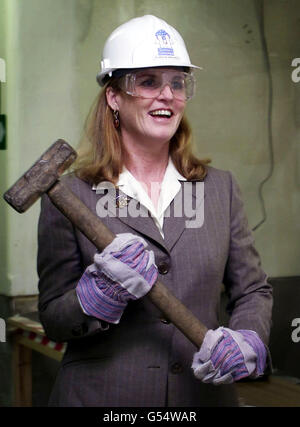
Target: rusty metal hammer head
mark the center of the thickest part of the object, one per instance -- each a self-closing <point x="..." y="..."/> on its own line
<point x="41" y="176"/>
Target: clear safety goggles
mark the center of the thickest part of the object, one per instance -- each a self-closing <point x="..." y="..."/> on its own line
<point x="149" y="83"/>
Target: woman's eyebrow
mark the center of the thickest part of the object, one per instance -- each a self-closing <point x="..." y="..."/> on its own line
<point x="146" y="74"/>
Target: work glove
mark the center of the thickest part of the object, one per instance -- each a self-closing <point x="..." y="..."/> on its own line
<point x="227" y="356"/>
<point x="123" y="271"/>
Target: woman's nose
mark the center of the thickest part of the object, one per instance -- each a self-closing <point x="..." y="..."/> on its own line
<point x="166" y="92"/>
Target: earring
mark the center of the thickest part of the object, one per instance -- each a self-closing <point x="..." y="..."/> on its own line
<point x="116" y="119"/>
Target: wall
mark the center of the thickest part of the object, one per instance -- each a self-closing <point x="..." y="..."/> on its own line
<point x="3" y="154"/>
<point x="41" y="107"/>
<point x="53" y="50"/>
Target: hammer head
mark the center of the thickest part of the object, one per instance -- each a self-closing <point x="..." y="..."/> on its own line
<point x="41" y="176"/>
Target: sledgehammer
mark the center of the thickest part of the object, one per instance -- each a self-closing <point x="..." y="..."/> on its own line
<point x="43" y="177"/>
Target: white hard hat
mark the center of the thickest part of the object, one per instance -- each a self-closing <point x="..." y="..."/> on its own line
<point x="142" y="42"/>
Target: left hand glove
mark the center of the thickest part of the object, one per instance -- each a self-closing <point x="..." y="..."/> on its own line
<point x="227" y="356"/>
<point x="123" y="271"/>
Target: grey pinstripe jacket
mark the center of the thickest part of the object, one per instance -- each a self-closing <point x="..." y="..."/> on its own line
<point x="144" y="361"/>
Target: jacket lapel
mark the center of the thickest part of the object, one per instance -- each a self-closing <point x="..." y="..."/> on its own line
<point x="131" y="213"/>
<point x="186" y="211"/>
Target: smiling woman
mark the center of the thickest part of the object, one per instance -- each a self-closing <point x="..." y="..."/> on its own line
<point x="121" y="351"/>
<point x="100" y="152"/>
<point x="145" y="127"/>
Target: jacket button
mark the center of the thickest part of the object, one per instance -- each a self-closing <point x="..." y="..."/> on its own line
<point x="176" y="368"/>
<point x="165" y="321"/>
<point x="163" y="268"/>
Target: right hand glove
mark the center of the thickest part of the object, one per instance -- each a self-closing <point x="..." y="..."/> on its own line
<point x="227" y="356"/>
<point x="123" y="271"/>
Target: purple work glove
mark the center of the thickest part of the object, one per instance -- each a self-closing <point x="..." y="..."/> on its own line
<point x="123" y="271"/>
<point x="227" y="356"/>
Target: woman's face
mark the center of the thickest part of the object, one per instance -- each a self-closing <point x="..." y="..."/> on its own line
<point x="149" y="120"/>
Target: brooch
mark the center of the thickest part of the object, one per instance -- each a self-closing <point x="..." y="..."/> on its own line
<point x="122" y="201"/>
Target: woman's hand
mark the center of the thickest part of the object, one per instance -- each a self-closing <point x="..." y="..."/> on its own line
<point x="123" y="271"/>
<point x="227" y="356"/>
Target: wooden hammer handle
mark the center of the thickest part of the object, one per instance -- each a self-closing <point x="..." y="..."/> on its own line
<point x="94" y="229"/>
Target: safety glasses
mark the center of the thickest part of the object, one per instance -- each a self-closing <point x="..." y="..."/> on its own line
<point x="150" y="82"/>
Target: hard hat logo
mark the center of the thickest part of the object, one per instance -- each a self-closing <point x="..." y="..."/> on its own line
<point x="164" y="40"/>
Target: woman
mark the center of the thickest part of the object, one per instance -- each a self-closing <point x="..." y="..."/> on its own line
<point x="121" y="351"/>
